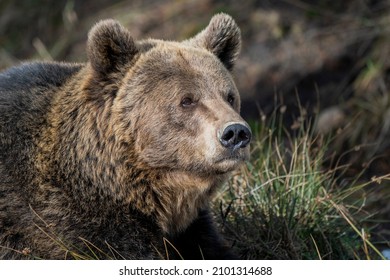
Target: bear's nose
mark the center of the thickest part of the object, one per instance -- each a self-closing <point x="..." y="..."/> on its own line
<point x="235" y="136"/>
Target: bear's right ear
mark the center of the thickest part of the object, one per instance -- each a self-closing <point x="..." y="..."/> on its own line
<point x="110" y="46"/>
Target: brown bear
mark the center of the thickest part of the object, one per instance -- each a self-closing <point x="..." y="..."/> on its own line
<point x="119" y="157"/>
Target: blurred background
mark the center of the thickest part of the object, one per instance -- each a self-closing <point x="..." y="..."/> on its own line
<point x="325" y="52"/>
<point x="324" y="60"/>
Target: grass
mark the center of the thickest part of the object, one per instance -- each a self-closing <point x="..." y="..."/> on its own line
<point x="372" y="124"/>
<point x="284" y="204"/>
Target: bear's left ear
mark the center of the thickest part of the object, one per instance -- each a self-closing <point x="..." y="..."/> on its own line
<point x="222" y="37"/>
<point x="110" y="46"/>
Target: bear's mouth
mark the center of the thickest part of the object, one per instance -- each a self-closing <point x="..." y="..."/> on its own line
<point x="236" y="158"/>
<point x="229" y="162"/>
<point x="233" y="155"/>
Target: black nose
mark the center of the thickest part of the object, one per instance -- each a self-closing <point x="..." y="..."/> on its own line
<point x="236" y="136"/>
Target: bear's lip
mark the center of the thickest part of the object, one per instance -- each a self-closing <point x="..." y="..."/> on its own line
<point x="227" y="163"/>
<point x="233" y="155"/>
<point x="230" y="158"/>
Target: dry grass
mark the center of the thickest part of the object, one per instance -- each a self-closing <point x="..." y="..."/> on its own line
<point x="285" y="205"/>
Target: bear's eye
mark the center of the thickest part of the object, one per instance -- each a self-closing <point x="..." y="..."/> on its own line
<point x="230" y="99"/>
<point x="187" y="102"/>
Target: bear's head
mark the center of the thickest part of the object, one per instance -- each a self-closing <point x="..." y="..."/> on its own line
<point x="175" y="102"/>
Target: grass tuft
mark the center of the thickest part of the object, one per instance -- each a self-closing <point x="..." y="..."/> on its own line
<point x="284" y="204"/>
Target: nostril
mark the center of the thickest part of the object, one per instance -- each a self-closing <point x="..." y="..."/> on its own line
<point x="228" y="135"/>
<point x="243" y="135"/>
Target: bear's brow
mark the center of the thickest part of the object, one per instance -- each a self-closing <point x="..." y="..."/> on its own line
<point x="181" y="55"/>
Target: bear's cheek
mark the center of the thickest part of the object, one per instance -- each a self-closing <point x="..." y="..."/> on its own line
<point x="168" y="142"/>
<point x="183" y="134"/>
<point x="183" y="138"/>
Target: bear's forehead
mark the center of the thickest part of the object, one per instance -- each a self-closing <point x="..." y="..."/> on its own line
<point x="179" y="59"/>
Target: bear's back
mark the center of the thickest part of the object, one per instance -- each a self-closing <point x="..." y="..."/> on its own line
<point x="24" y="88"/>
<point x="26" y="92"/>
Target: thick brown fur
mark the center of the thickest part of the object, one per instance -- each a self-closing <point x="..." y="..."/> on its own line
<point x="106" y="160"/>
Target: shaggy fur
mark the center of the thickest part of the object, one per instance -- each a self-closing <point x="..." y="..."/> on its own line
<point x="119" y="157"/>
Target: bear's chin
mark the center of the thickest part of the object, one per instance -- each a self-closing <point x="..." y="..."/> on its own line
<point x="229" y="161"/>
<point x="227" y="165"/>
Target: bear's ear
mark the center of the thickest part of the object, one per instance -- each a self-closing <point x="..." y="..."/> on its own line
<point x="222" y="37"/>
<point x="110" y="46"/>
